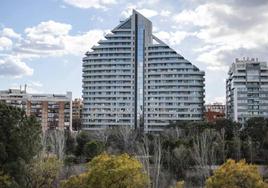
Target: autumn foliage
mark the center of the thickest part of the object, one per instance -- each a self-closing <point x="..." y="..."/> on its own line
<point x="110" y="171"/>
<point x="236" y="175"/>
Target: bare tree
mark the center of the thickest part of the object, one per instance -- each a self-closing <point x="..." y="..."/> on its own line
<point x="157" y="161"/>
<point x="237" y="144"/>
<point x="54" y="142"/>
<point x="144" y="156"/>
<point x="126" y="137"/>
<point x="222" y="144"/>
<point x="203" y="152"/>
<point x="102" y="135"/>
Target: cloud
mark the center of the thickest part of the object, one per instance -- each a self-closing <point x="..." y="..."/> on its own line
<point x="234" y="3"/>
<point x="5" y="43"/>
<point x="224" y="27"/>
<point x="173" y="38"/>
<point x="14" y="67"/>
<point x="9" y="33"/>
<point x="147" y="12"/>
<point x="203" y="15"/>
<point x="53" y="39"/>
<point x="85" y="4"/>
<point x="165" y="13"/>
<point x="149" y="3"/>
<point x="128" y="11"/>
<point x="223" y="30"/>
<point x="47" y="39"/>
<point x="48" y="28"/>
<point x="79" y="44"/>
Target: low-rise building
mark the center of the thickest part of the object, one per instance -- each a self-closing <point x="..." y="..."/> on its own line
<point x="214" y="112"/>
<point x="54" y="111"/>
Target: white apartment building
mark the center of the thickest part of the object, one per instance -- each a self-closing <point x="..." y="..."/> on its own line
<point x="247" y="90"/>
<point x="132" y="78"/>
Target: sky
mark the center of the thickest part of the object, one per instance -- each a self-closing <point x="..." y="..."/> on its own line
<point x="42" y="42"/>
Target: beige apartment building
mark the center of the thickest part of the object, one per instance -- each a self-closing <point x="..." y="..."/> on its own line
<point x="77" y="114"/>
<point x="77" y="108"/>
<point x="54" y="111"/>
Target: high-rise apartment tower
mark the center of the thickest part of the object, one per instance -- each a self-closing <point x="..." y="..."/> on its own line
<point x="247" y="90"/>
<point x="134" y="79"/>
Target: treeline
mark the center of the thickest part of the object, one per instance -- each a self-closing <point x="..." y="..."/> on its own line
<point x="185" y="152"/>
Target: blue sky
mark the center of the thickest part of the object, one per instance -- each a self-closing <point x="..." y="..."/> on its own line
<point x="42" y="42"/>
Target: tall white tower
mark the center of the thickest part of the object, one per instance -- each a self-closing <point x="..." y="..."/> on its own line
<point x="134" y="79"/>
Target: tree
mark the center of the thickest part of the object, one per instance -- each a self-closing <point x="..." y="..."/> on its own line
<point x="92" y="149"/>
<point x="203" y="151"/>
<point x="81" y="139"/>
<point x="5" y="180"/>
<point x="256" y="128"/>
<point x="254" y="135"/>
<point x="110" y="171"/>
<point x="143" y="153"/>
<point x="157" y="157"/>
<point x="236" y="175"/>
<point x="121" y="139"/>
<point x="54" y="142"/>
<point x="179" y="184"/>
<point x="20" y="141"/>
<point x="69" y="143"/>
<point x="42" y="172"/>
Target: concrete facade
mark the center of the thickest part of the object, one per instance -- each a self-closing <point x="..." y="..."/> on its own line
<point x="247" y="90"/>
<point x="54" y="111"/>
<point x="134" y="79"/>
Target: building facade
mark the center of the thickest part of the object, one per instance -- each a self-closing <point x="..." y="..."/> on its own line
<point x="77" y="114"/>
<point x="54" y="111"/>
<point x="131" y="78"/>
<point x="214" y="111"/>
<point x="247" y="90"/>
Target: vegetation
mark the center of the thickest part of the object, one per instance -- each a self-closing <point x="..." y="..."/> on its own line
<point x="19" y="142"/>
<point x="182" y="149"/>
<point x="180" y="184"/>
<point x="236" y="175"/>
<point x="5" y="181"/>
<point x="43" y="172"/>
<point x="110" y="171"/>
<point x="185" y="151"/>
<point x="92" y="149"/>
